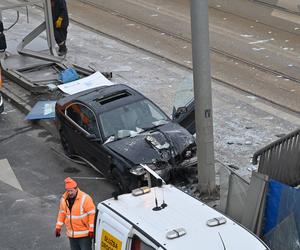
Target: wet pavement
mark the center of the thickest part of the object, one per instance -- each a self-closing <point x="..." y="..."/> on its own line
<point x="242" y="123"/>
<point x="259" y="57"/>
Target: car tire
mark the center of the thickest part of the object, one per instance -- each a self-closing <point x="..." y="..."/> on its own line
<point x="68" y="149"/>
<point x="120" y="181"/>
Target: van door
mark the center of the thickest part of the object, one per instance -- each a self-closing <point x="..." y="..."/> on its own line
<point x="112" y="232"/>
<point x="139" y="241"/>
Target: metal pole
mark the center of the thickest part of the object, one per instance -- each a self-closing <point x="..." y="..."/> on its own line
<point x="203" y="95"/>
<point x="49" y="26"/>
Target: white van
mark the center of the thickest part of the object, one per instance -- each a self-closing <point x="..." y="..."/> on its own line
<point x="167" y="218"/>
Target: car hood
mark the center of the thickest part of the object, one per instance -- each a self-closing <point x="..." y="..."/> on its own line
<point x="154" y="145"/>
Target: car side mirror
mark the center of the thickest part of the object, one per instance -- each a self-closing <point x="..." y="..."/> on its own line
<point x="92" y="137"/>
<point x="179" y="111"/>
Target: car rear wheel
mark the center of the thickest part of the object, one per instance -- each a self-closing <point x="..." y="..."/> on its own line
<point x="120" y="181"/>
<point x="66" y="144"/>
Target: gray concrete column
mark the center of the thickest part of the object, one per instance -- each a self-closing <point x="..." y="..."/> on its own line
<point x="203" y="95"/>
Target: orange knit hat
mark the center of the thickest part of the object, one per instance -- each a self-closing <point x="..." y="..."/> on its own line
<point x="70" y="183"/>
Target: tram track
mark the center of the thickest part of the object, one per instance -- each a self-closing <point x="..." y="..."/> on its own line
<point x="274" y="6"/>
<point x="286" y="98"/>
<point x="273" y="86"/>
<point x="215" y="50"/>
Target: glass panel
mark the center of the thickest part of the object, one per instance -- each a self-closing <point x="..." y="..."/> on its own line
<point x="84" y="117"/>
<point x="282" y="217"/>
<point x="184" y="93"/>
<point x="138" y="244"/>
<point x="141" y="114"/>
<point x="224" y="173"/>
<point x="236" y="199"/>
<point x="89" y="121"/>
<point x="284" y="235"/>
<point x="73" y="112"/>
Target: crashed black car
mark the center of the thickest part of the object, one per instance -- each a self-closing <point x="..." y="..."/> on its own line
<point x="116" y="129"/>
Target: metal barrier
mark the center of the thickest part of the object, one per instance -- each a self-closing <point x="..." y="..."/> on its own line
<point x="243" y="201"/>
<point x="280" y="160"/>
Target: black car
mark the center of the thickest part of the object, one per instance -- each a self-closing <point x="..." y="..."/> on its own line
<point x="116" y="129"/>
<point x="1" y="103"/>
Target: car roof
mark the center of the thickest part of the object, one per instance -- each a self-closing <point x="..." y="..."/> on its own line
<point x="104" y="98"/>
<point x="182" y="211"/>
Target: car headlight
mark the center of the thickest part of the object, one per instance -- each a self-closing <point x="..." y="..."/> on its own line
<point x="1" y="100"/>
<point x="137" y="170"/>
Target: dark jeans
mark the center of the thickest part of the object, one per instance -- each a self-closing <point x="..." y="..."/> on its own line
<point x="60" y="35"/>
<point x="84" y="243"/>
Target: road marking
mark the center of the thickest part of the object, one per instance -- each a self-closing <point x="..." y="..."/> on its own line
<point x="7" y="175"/>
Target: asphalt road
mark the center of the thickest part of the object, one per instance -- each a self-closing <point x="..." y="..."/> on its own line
<point x="32" y="183"/>
<point x="253" y="42"/>
<point x="242" y="125"/>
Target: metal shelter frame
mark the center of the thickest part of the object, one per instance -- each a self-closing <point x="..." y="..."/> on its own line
<point x="30" y="69"/>
<point x="280" y="160"/>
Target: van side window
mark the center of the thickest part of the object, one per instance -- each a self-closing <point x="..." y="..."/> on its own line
<point x="138" y="244"/>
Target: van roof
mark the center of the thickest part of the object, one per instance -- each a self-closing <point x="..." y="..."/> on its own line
<point x="182" y="211"/>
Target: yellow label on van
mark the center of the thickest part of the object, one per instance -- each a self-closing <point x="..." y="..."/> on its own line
<point x="110" y="242"/>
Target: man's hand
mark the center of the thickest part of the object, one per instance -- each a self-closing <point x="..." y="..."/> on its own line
<point x="91" y="235"/>
<point x="57" y="232"/>
<point x="58" y="22"/>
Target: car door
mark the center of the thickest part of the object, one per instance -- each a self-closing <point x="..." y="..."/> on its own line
<point x="88" y="140"/>
<point x="184" y="108"/>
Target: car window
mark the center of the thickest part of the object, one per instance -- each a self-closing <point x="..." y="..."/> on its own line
<point x="184" y="93"/>
<point x="140" y="114"/>
<point x="138" y="244"/>
<point x="84" y="117"/>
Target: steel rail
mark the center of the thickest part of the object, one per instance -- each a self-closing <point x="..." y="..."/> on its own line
<point x="182" y="38"/>
<point x="274" y="6"/>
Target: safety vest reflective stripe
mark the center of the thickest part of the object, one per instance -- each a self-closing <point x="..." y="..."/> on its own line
<point x="91" y="225"/>
<point x="77" y="216"/>
<point x="59" y="223"/>
<point x="62" y="211"/>
<point x="92" y="212"/>
<point x="82" y="202"/>
<point x="81" y="216"/>
<point x="78" y="232"/>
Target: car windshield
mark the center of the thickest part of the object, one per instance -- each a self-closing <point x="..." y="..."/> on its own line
<point x="135" y="116"/>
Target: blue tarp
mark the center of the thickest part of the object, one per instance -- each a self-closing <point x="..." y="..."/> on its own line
<point x="272" y="205"/>
<point x="42" y="110"/>
<point x="282" y="216"/>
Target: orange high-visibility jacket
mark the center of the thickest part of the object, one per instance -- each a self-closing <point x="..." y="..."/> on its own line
<point x="80" y="220"/>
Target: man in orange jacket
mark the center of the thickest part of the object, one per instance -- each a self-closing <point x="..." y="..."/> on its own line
<point x="77" y="212"/>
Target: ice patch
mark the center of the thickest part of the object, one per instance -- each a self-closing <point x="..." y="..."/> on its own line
<point x="246" y="35"/>
<point x="262" y="41"/>
<point x="258" y="49"/>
